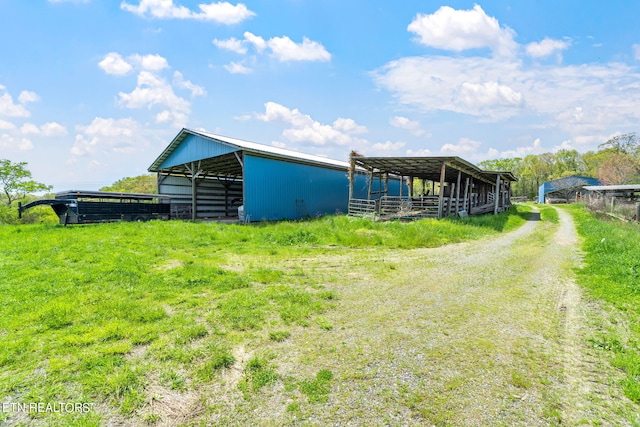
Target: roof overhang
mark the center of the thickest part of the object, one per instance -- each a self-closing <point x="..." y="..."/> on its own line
<point x="430" y="168"/>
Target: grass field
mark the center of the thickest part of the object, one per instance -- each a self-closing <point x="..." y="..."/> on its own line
<point x="141" y="319"/>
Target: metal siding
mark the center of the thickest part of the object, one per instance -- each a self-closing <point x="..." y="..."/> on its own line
<point x="361" y="187"/>
<point x="271" y="188"/>
<point x="194" y="148"/>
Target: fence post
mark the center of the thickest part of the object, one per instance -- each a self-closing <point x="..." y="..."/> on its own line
<point x="638" y="212"/>
<point x="613" y="203"/>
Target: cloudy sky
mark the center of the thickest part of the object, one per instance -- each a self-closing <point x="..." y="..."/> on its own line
<point x="92" y="91"/>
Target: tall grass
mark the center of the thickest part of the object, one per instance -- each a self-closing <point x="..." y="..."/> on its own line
<point x="98" y="313"/>
<point x="611" y="272"/>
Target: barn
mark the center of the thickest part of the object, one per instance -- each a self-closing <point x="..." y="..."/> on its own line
<point x="216" y="177"/>
<point x="564" y="189"/>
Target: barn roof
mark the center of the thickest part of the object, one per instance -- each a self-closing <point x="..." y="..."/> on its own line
<point x="626" y="187"/>
<point x="226" y="160"/>
<point x="429" y="168"/>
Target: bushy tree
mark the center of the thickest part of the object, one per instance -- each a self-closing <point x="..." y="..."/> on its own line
<point x="137" y="184"/>
<point x="16" y="182"/>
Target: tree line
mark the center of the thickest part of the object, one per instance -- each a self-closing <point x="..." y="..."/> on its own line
<point x="616" y="162"/>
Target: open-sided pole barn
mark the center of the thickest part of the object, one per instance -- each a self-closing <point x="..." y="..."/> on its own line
<point x="449" y="185"/>
<point x="216" y="177"/>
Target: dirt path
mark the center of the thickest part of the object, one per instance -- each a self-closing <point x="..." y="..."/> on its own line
<point x="492" y="332"/>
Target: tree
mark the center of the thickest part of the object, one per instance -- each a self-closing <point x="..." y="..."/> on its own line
<point x="629" y="143"/>
<point x="137" y="184"/>
<point x="16" y="182"/>
<point x="619" y="169"/>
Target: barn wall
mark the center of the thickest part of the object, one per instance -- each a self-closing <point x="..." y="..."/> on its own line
<point x="210" y="196"/>
<point x="276" y="189"/>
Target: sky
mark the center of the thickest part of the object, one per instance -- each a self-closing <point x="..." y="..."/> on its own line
<point x="92" y="91"/>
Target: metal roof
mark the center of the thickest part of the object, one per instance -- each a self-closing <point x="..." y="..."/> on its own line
<point x="628" y="187"/>
<point x="429" y="168"/>
<point x="228" y="164"/>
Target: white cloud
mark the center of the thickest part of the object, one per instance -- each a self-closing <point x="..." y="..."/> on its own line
<point x="180" y="82"/>
<point x="464" y="146"/>
<point x="306" y="130"/>
<point x="153" y="90"/>
<point x="349" y="126"/>
<point x="535" y="148"/>
<point x="53" y="129"/>
<point x="388" y="146"/>
<point x="546" y="47"/>
<point x="9" y="108"/>
<point x="115" y="65"/>
<point x="636" y="51"/>
<point x="108" y="135"/>
<point x="236" y="68"/>
<point x="282" y="48"/>
<point x="257" y="41"/>
<point x="407" y="124"/>
<point x="150" y="62"/>
<point x="487" y="94"/>
<point x="5" y="125"/>
<point x="459" y="30"/>
<point x="219" y="12"/>
<point x="27" y="96"/>
<point x="8" y="142"/>
<point x="29" y="128"/>
<point x="232" y="44"/>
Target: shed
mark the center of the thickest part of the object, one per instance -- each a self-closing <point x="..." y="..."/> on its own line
<point x="564" y="188"/>
<point x="211" y="176"/>
<point x="450" y="185"/>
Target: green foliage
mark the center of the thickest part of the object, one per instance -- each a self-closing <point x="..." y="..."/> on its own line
<point x="138" y="184"/>
<point x="611" y="272"/>
<point x="16" y="182"/>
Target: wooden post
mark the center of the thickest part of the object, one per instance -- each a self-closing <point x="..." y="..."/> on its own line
<point x="194" y="203"/>
<point x="466" y="193"/>
<point x="496" y="201"/>
<point x="443" y="169"/>
<point x="386" y="184"/>
<point x="449" y="204"/>
<point x="352" y="168"/>
<point x="637" y="212"/>
<point x="401" y="185"/>
<point x="410" y="187"/>
<point x="370" y="184"/>
<point x="458" y="192"/>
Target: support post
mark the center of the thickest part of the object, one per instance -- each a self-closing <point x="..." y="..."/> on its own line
<point x="352" y="168"/>
<point x="466" y="193"/>
<point x="496" y="201"/>
<point x="637" y="212"/>
<point x="370" y="184"/>
<point x="450" y="196"/>
<point x="410" y="187"/>
<point x="443" y="169"/>
<point x="458" y="192"/>
<point x="401" y="185"/>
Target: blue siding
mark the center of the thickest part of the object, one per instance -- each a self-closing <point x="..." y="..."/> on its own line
<point x="195" y="148"/>
<point x="361" y="187"/>
<point x="272" y="187"/>
<point x="555" y="185"/>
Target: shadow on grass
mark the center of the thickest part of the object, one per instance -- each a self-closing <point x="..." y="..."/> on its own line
<point x="503" y="221"/>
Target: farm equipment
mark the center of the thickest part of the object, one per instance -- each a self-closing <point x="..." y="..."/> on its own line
<point x="83" y="207"/>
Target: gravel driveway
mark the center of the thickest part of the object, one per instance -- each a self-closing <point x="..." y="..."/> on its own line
<point x="491" y="332"/>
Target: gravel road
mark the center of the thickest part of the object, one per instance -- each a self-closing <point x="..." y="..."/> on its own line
<point x="491" y="332"/>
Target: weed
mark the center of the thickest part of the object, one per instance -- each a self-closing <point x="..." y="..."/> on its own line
<point x="279" y="335"/>
<point x="317" y="390"/>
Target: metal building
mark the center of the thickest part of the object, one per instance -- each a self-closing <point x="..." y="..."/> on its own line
<point x="563" y="189"/>
<point x="216" y="177"/>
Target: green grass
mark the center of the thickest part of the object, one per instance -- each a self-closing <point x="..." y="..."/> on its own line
<point x="611" y="272"/>
<point x="102" y="313"/>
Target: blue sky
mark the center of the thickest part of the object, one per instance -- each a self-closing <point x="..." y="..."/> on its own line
<point x="92" y="91"/>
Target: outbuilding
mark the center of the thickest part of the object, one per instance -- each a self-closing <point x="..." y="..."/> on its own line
<point x="211" y="176"/>
<point x="563" y="190"/>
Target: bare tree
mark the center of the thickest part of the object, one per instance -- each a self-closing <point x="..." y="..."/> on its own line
<point x="619" y="169"/>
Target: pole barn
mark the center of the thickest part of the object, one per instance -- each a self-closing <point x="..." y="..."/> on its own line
<point x="216" y="177"/>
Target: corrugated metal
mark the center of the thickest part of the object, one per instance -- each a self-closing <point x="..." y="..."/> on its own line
<point x="557" y="184"/>
<point x="275" y="189"/>
<point x="193" y="148"/>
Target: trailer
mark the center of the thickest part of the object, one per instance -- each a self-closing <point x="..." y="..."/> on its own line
<point x="84" y="207"/>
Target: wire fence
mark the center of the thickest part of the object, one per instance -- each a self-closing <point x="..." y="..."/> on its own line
<point x="623" y="208"/>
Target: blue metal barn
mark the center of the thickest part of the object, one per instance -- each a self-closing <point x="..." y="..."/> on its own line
<point x="561" y="184"/>
<point x="216" y="177"/>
